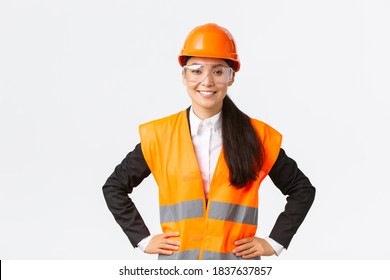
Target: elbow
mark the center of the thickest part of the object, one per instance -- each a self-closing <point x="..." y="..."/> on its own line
<point x="313" y="192"/>
<point x="310" y="195"/>
<point x="107" y="190"/>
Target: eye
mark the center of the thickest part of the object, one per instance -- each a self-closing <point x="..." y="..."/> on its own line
<point x="218" y="72"/>
<point x="196" y="71"/>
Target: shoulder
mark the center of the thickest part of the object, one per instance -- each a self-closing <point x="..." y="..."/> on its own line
<point x="271" y="140"/>
<point x="162" y="122"/>
<point x="265" y="129"/>
<point x="164" y="127"/>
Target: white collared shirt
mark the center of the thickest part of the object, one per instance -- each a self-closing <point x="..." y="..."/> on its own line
<point x="207" y="141"/>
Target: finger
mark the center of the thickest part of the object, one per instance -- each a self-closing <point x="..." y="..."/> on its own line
<point x="243" y="241"/>
<point x="246" y="252"/>
<point x="169" y="247"/>
<point x="249" y="256"/>
<point x="242" y="247"/>
<point x="171" y="234"/>
<point x="166" y="238"/>
<point x="164" y="252"/>
<point x="172" y="242"/>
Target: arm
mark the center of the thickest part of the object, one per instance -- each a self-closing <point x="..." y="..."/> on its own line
<point x="300" y="195"/>
<point x="127" y="175"/>
<point x="290" y="180"/>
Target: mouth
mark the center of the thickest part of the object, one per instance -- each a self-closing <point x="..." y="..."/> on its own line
<point x="206" y="93"/>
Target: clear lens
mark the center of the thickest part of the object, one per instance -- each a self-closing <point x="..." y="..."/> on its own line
<point x="197" y="73"/>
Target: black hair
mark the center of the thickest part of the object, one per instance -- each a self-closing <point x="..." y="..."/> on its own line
<point x="242" y="146"/>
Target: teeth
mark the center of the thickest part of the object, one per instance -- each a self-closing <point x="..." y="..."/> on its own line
<point x="206" y="92"/>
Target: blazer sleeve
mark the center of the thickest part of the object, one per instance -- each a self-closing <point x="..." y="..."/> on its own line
<point x="291" y="181"/>
<point x="127" y="175"/>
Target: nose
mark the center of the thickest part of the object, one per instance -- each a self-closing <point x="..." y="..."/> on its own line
<point x="208" y="80"/>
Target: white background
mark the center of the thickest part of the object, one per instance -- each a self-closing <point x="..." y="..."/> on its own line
<point x="78" y="77"/>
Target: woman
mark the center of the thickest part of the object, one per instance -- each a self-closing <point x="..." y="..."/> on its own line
<point x="208" y="162"/>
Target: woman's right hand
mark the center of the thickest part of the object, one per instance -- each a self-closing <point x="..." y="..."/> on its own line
<point x="162" y="244"/>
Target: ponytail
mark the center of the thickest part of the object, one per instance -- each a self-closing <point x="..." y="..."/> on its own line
<point x="242" y="146"/>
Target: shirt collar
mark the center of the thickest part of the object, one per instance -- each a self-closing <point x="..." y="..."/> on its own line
<point x="215" y="122"/>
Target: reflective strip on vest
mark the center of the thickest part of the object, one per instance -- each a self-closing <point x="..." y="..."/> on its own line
<point x="183" y="255"/>
<point x="206" y="255"/>
<point x="181" y="211"/>
<point x="233" y="212"/>
<point x="209" y="255"/>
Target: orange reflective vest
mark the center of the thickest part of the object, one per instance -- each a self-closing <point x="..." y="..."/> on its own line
<point x="207" y="231"/>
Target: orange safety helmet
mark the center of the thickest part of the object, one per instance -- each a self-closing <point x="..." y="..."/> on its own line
<point x="210" y="40"/>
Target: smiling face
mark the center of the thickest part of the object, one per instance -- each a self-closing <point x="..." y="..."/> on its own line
<point x="206" y="95"/>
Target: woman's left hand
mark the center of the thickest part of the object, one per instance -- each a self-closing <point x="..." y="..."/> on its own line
<point x="251" y="247"/>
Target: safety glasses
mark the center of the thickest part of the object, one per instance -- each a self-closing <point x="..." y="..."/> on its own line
<point x="196" y="73"/>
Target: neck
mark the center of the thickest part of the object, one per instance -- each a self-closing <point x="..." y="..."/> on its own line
<point x="204" y="113"/>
